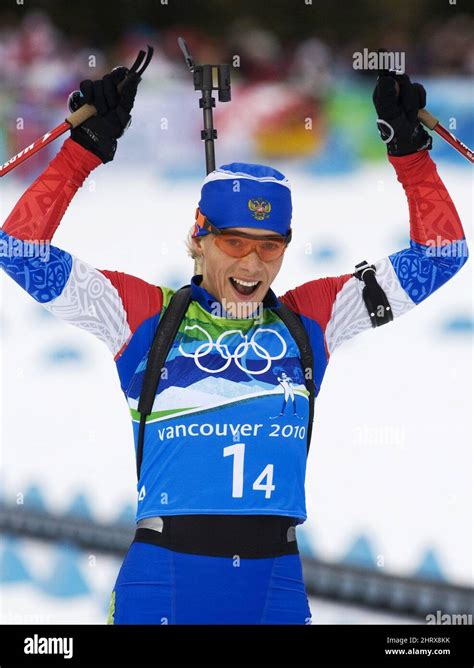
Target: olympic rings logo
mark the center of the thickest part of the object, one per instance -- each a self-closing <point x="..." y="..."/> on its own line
<point x="240" y="352"/>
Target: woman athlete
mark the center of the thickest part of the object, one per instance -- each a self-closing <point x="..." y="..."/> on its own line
<point x="221" y="484"/>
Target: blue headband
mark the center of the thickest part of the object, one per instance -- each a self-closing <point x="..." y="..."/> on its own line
<point x="246" y="195"/>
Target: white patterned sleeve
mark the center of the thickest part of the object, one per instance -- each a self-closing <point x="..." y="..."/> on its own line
<point x="349" y="314"/>
<point x="90" y="301"/>
<point x="67" y="287"/>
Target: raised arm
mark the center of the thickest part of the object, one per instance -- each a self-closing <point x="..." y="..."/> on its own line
<point x="334" y="308"/>
<point x="37" y="214"/>
<point x="111" y="305"/>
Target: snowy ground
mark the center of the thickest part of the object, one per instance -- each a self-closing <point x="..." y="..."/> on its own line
<point x="391" y="460"/>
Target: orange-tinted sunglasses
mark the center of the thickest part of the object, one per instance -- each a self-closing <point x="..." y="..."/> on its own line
<point x="239" y="244"/>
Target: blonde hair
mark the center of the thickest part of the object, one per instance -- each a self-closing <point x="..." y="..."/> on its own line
<point x="193" y="252"/>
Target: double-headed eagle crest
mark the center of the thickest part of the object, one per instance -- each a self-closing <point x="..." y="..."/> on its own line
<point x="260" y="208"/>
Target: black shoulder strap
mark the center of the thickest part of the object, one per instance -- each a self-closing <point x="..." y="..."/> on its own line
<point x="164" y="336"/>
<point x="293" y="321"/>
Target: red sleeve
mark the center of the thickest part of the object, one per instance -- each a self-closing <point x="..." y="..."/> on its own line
<point x="140" y="299"/>
<point x="433" y="216"/>
<point x="39" y="211"/>
<point x="315" y="299"/>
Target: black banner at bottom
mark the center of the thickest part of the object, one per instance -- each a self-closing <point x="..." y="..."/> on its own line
<point x="395" y="645"/>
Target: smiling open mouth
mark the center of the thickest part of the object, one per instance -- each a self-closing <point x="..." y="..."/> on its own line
<point x="244" y="287"/>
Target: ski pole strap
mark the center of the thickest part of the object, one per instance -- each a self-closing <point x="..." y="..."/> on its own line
<point x="164" y="336"/>
<point x="378" y="306"/>
<point x="88" y="110"/>
<point x="294" y="324"/>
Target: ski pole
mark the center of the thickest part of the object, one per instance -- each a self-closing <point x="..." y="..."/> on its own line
<point x="432" y="123"/>
<point x="74" y="120"/>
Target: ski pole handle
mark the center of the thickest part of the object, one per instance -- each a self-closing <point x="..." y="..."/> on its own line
<point x="432" y="123"/>
<point x="81" y="115"/>
<point x="427" y="119"/>
<point x="73" y="120"/>
<point x="88" y="110"/>
<point x="425" y="116"/>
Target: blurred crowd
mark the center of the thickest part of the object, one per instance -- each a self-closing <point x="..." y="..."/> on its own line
<point x="40" y="66"/>
<point x="35" y="54"/>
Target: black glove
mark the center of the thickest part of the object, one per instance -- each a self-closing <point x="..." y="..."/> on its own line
<point x="397" y="121"/>
<point x="99" y="134"/>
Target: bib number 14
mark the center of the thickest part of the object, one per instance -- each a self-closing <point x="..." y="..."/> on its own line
<point x="263" y="483"/>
